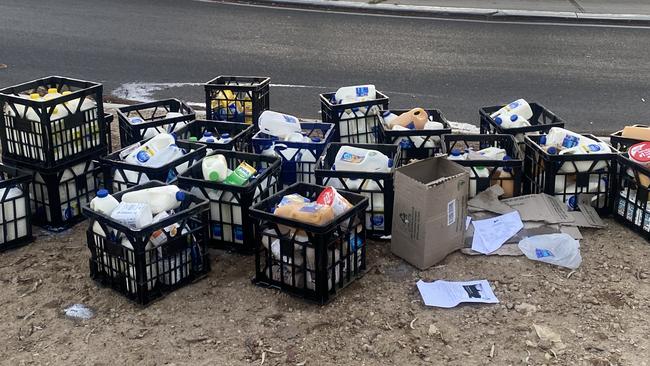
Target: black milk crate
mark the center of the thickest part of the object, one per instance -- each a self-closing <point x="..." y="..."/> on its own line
<point x="50" y="133"/>
<point x="631" y="195"/>
<point x="298" y="158"/>
<point x="568" y="176"/>
<point x="477" y="183"/>
<point x="15" y="210"/>
<point x="58" y="194"/>
<point x="231" y="226"/>
<point x="127" y="261"/>
<point x="120" y="175"/>
<point x="541" y="121"/>
<point x="353" y="122"/>
<point x="240" y="133"/>
<point x="621" y="143"/>
<point x="237" y="98"/>
<point x="311" y="261"/>
<point x="376" y="186"/>
<point x="153" y="116"/>
<point x="416" y="144"/>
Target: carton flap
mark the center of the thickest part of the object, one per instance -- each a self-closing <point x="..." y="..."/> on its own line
<point x="432" y="171"/>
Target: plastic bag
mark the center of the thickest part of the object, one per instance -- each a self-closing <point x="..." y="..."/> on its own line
<point x="559" y="249"/>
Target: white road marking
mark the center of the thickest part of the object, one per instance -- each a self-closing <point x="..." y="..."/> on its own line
<point x="495" y="21"/>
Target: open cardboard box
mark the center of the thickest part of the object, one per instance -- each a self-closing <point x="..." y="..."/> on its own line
<point x="430" y="210"/>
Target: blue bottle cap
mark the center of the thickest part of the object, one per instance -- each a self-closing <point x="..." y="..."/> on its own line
<point x="174" y="135"/>
<point x="455" y="152"/>
<point x="390" y="163"/>
<point x="207" y="134"/>
<point x="498" y="120"/>
<point x="315" y="139"/>
<point x="542" y="140"/>
<point x="506" y="157"/>
<point x="180" y="196"/>
<point x="209" y="140"/>
<point x="514" y="117"/>
<point x="225" y="135"/>
<point x="552" y="150"/>
<point x="102" y="193"/>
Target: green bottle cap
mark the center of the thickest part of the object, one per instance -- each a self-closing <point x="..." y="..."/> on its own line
<point x="214" y="176"/>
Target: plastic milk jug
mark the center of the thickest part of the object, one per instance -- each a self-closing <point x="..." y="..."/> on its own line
<point x="163" y="198"/>
<point x="215" y="168"/>
<point x="143" y="153"/>
<point x="519" y="107"/>
<point x="356" y="93"/>
<point x="15" y="200"/>
<point x="351" y="158"/>
<point x="476" y="173"/>
<point x="103" y="203"/>
<point x="278" y="124"/>
<point x="132" y="214"/>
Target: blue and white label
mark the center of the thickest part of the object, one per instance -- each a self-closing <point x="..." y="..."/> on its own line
<point x="216" y="231"/>
<point x="171" y="175"/>
<point x="572" y="202"/>
<point x="543" y="253"/>
<point x="513" y="105"/>
<point x="377" y="221"/>
<point x="593" y="147"/>
<point x="570" y="141"/>
<point x="239" y="233"/>
<point x="289" y="119"/>
<point x="143" y="156"/>
<point x="362" y="91"/>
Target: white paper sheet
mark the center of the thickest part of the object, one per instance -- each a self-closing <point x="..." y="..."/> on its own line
<point x="490" y="234"/>
<point x="446" y="294"/>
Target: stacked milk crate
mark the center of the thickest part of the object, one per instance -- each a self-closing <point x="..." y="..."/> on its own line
<point x="52" y="129"/>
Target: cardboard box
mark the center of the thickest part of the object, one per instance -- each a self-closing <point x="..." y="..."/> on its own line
<point x="429" y="211"/>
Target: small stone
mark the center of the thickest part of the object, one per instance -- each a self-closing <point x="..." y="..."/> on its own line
<point x="525" y="308"/>
<point x="433" y="330"/>
<point x="366" y="347"/>
<point x="547" y="356"/>
<point x="510" y="306"/>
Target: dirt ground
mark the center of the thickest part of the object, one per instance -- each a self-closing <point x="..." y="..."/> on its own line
<point x="599" y="312"/>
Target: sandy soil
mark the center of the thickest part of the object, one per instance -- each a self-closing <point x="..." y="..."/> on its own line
<point x="599" y="312"/>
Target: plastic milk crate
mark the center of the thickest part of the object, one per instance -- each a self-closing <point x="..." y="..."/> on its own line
<point x="416" y="144"/>
<point x="15" y="211"/>
<point x="120" y="175"/>
<point x="47" y="130"/>
<point x="231" y="226"/>
<point x="508" y="172"/>
<point x="142" y="121"/>
<point x="311" y="261"/>
<point x="621" y="143"/>
<point x="631" y="195"/>
<point x="57" y="194"/>
<point x="239" y="134"/>
<point x="567" y="176"/>
<point x="144" y="264"/>
<point x="237" y="98"/>
<point x="353" y="122"/>
<point x="541" y="121"/>
<point x="376" y="186"/>
<point x="298" y="158"/>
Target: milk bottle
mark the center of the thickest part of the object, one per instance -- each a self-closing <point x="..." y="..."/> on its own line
<point x="14" y="225"/>
<point x="351" y="158"/>
<point x="519" y="107"/>
<point x="215" y="168"/>
<point x="143" y="153"/>
<point x="457" y="154"/>
<point x="162" y="198"/>
<point x="278" y="124"/>
<point x="103" y="203"/>
<point x="477" y="173"/>
<point x="356" y="93"/>
<point x="151" y="266"/>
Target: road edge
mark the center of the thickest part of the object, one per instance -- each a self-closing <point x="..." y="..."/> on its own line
<point x="454" y="13"/>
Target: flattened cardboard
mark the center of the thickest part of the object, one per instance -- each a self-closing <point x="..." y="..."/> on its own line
<point x="430" y="210"/>
<point x="540" y="207"/>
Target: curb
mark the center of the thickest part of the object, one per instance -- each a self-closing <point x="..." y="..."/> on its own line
<point x="455" y="13"/>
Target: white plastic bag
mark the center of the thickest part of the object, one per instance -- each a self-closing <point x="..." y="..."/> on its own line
<point x="559" y="249"/>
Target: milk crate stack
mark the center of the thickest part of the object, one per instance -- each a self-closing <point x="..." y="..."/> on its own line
<point x="52" y="129"/>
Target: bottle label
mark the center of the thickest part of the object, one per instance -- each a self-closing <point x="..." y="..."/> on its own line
<point x="513" y="105"/>
<point x="144" y="155"/>
<point x="640" y="152"/>
<point x="289" y="119"/>
<point x="543" y="253"/>
<point x="352" y="158"/>
<point x="216" y="230"/>
<point x="377" y="221"/>
<point x="362" y="91"/>
<point x="570" y="141"/>
<point x="239" y="233"/>
<point x="311" y="208"/>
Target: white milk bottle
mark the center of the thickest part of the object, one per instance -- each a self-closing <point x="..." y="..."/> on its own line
<point x="149" y="132"/>
<point x="207" y="135"/>
<point x="477" y="173"/>
<point x="585" y="166"/>
<point x="215" y="168"/>
<point x="351" y="158"/>
<point x="457" y="154"/>
<point x="493" y="153"/>
<point x="356" y="93"/>
<point x="178" y="125"/>
<point x="143" y="153"/>
<point x="597" y="186"/>
<point x="375" y="217"/>
<point x="278" y="124"/>
<point x="162" y="198"/>
<point x="388" y="117"/>
<point x="72" y="198"/>
<point x="225" y="138"/>
<point x="165" y="156"/>
<point x="519" y="107"/>
<point x="13" y="214"/>
<point x="150" y="265"/>
<point x="103" y="203"/>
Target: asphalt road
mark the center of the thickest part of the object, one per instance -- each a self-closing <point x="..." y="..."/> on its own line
<point x="596" y="78"/>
